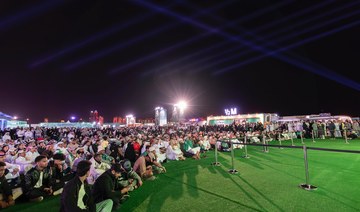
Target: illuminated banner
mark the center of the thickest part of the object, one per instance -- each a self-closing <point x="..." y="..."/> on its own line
<point x="231" y="111"/>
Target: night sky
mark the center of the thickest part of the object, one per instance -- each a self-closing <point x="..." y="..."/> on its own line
<point x="65" y="58"/>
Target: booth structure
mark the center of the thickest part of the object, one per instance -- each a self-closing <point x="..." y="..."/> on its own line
<point x="249" y="118"/>
<point x="315" y="117"/>
<point x="67" y="124"/>
<point x="130" y="120"/>
<point x="4" y="120"/>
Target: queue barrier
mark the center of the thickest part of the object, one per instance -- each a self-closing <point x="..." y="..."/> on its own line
<point x="333" y="134"/>
<point x="306" y="185"/>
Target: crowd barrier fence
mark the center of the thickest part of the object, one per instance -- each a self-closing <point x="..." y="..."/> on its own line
<point x="265" y="145"/>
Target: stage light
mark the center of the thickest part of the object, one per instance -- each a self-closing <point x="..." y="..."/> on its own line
<point x="182" y="105"/>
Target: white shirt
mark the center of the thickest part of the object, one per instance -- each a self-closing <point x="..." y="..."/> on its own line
<point x="80" y="202"/>
<point x="6" y="137"/>
<point x="32" y="155"/>
<point x="29" y="134"/>
<point x="20" y="133"/>
<point x="39" y="182"/>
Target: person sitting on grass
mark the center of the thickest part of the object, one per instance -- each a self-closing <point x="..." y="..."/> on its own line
<point x="129" y="179"/>
<point x="153" y="160"/>
<point x="145" y="165"/>
<point x="173" y="151"/>
<point x="24" y="162"/>
<point x="80" y="156"/>
<point x="38" y="180"/>
<point x="6" y="197"/>
<point x="104" y="186"/>
<point x="13" y="172"/>
<point x="190" y="149"/>
<point x="59" y="173"/>
<point x="77" y="194"/>
<point x="11" y="155"/>
<point x="97" y="168"/>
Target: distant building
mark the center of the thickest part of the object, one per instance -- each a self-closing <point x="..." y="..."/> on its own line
<point x="94" y="116"/>
<point x="101" y="120"/>
<point x="315" y="117"/>
<point x="4" y="118"/>
<point x="146" y="121"/>
<point x="119" y="120"/>
<point x="7" y="121"/>
<point x="250" y="118"/>
<point x="130" y="120"/>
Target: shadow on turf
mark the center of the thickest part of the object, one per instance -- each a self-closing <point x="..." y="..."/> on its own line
<point x="190" y="176"/>
<point x="219" y="196"/>
<point x="163" y="181"/>
<point x="226" y="174"/>
<point x="322" y="192"/>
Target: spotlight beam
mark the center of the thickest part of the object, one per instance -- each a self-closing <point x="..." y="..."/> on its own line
<point x="26" y="14"/>
<point x="265" y="52"/>
<point x="91" y="39"/>
<point x="119" y="46"/>
<point x="327" y="74"/>
<point x="266" y="26"/>
<point x="268" y="44"/>
<point x="270" y="36"/>
<point x="97" y="36"/>
<point x="185" y="42"/>
<point x="243" y="19"/>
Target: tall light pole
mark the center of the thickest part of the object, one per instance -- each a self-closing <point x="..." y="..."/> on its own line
<point x="181" y="105"/>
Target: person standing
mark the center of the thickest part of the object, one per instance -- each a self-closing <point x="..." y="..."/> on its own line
<point x="332" y="128"/>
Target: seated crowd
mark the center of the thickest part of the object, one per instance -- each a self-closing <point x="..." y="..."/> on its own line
<point x="96" y="169"/>
<point x="97" y="166"/>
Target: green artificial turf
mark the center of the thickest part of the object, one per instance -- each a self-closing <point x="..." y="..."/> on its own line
<point x="266" y="182"/>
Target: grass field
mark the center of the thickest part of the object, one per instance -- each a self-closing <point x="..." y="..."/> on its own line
<point x="266" y="182"/>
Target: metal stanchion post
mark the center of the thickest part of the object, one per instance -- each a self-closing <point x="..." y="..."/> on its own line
<point x="216" y="163"/>
<point x="233" y="170"/>
<point x="245" y="146"/>
<point x="302" y="138"/>
<point x="346" y="139"/>
<point x="292" y="140"/>
<point x="265" y="149"/>
<point x="307" y="185"/>
<point x="313" y="136"/>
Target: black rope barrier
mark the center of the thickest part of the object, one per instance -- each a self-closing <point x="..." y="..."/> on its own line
<point x="298" y="147"/>
<point x="265" y="145"/>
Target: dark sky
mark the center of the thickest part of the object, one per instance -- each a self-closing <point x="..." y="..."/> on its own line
<point x="64" y="58"/>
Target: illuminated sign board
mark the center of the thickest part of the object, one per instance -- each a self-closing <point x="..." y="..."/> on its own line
<point x="231" y="111"/>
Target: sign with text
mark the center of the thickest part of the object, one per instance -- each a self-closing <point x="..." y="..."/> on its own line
<point x="231" y="111"/>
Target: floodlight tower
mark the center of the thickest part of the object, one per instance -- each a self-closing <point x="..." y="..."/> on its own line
<point x="181" y="105"/>
<point x="130" y="120"/>
<point x="160" y="116"/>
<point x="157" y="116"/>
